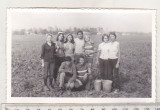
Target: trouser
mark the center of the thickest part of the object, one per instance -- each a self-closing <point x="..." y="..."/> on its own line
<point x="48" y="72"/>
<point x="64" y="78"/>
<point x="115" y="72"/>
<point x="70" y="55"/>
<point x="76" y="57"/>
<point x="87" y="81"/>
<point x="89" y="61"/>
<point x="103" y="66"/>
<point x="58" y="62"/>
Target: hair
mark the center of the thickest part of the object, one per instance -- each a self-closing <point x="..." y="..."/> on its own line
<point x="81" y="57"/>
<point x="113" y="33"/>
<point x="68" y="58"/>
<point x="72" y="41"/>
<point x="60" y="33"/>
<point x="104" y="36"/>
<point x="80" y="32"/>
<point x="87" y="36"/>
<point x="49" y="35"/>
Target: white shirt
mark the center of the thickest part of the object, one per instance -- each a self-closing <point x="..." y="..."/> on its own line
<point x="104" y="50"/>
<point x="79" y="45"/>
<point x="113" y="50"/>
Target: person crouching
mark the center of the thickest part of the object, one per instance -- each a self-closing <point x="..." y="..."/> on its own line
<point x="83" y="74"/>
<point x="67" y="74"/>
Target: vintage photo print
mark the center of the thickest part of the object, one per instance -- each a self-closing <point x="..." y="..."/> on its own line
<point x="80" y="55"/>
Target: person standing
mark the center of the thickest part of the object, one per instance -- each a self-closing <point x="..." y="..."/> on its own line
<point x="48" y="62"/>
<point x="102" y="58"/>
<point x="59" y="52"/>
<point x="89" y="50"/>
<point x="114" y="59"/>
<point x="79" y="46"/>
<point x="69" y="46"/>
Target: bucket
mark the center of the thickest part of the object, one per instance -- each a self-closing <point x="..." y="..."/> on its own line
<point x="97" y="85"/>
<point x="107" y="85"/>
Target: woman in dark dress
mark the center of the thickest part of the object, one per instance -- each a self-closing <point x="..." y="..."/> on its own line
<point x="48" y="62"/>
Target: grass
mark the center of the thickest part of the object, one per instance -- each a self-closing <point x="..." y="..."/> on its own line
<point x="135" y="68"/>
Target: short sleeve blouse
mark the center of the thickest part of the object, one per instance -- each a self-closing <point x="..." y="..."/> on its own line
<point x="104" y="50"/>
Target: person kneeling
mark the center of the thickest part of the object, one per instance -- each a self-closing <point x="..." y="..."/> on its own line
<point x="83" y="74"/>
<point x="68" y="74"/>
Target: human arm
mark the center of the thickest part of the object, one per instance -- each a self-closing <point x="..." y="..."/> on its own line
<point x="118" y="54"/>
<point x="90" y="49"/>
<point x="42" y="55"/>
<point x="61" y="68"/>
<point x="73" y="78"/>
<point x="98" y="54"/>
<point x="73" y="48"/>
<point x="42" y="62"/>
<point x="57" y="46"/>
<point x="89" y="69"/>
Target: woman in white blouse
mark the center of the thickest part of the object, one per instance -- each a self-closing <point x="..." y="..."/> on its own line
<point x="113" y="61"/>
<point x="102" y="59"/>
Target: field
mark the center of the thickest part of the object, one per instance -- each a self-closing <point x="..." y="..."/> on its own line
<point x="135" y="68"/>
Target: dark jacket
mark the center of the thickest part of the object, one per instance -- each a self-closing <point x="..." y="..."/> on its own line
<point x="48" y="52"/>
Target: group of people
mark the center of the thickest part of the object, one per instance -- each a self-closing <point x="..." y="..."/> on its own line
<point x="69" y="60"/>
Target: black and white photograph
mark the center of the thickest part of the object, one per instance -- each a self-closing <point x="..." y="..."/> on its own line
<point x="80" y="55"/>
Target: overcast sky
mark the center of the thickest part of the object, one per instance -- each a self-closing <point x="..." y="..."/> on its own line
<point x="123" y="22"/>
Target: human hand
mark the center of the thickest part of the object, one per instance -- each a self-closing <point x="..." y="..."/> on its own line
<point x="58" y="47"/>
<point x="68" y="84"/>
<point x="42" y="63"/>
<point x="117" y="65"/>
<point x="70" y="81"/>
<point x="97" y="62"/>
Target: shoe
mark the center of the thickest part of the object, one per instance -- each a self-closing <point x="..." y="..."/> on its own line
<point x="61" y="89"/>
<point x="68" y="92"/>
<point x="116" y="91"/>
<point x="45" y="88"/>
<point x="51" y="87"/>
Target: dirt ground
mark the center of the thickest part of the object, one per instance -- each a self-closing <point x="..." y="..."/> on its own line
<point x="135" y="68"/>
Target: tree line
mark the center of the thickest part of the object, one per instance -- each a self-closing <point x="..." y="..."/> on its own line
<point x="55" y="30"/>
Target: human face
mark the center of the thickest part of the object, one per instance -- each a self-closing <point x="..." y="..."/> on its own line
<point x="60" y="37"/>
<point x="68" y="62"/>
<point x="80" y="35"/>
<point x="69" y="38"/>
<point x="49" y="38"/>
<point x="112" y="38"/>
<point x="105" y="39"/>
<point x="81" y="61"/>
<point x="87" y="38"/>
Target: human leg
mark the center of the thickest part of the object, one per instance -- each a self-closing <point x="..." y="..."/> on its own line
<point x="88" y="85"/>
<point x="58" y="62"/>
<point x="61" y="79"/>
<point x="76" y="57"/>
<point x="45" y="75"/>
<point x="116" y="81"/>
<point x="101" y="67"/>
<point x="89" y="61"/>
<point x="110" y="69"/>
<point x="51" y="75"/>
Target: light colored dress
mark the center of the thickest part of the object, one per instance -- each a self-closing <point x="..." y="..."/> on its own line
<point x="104" y="50"/>
<point x="113" y="50"/>
<point x="69" y="49"/>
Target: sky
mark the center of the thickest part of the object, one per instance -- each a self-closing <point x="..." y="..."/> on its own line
<point x="110" y="21"/>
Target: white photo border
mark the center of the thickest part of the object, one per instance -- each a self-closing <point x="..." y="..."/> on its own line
<point x="79" y="100"/>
